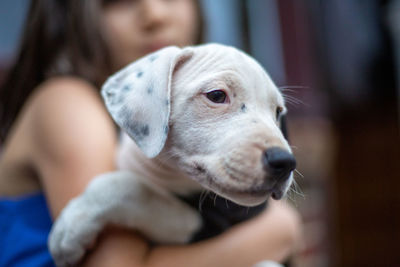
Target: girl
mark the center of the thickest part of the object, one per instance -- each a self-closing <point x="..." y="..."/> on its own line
<point x="56" y="134"/>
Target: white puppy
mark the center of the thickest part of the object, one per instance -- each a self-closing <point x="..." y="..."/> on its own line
<point x="199" y="118"/>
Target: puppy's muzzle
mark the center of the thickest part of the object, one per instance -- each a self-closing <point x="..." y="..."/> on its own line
<point x="278" y="163"/>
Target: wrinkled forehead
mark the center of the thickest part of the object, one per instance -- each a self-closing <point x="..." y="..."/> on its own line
<point x="221" y="64"/>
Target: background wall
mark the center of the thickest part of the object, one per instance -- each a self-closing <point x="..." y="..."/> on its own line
<point x="12" y="14"/>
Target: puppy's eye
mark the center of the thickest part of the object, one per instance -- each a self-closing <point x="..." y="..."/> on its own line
<point x="217" y="96"/>
<point x="278" y="112"/>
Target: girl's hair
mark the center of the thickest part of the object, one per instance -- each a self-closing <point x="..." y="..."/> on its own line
<point x="57" y="35"/>
<point x="60" y="38"/>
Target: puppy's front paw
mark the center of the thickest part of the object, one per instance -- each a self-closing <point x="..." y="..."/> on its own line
<point x="268" y="264"/>
<point x="72" y="234"/>
<point x="174" y="222"/>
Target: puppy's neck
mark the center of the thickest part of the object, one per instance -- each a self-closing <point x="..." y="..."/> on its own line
<point x="158" y="172"/>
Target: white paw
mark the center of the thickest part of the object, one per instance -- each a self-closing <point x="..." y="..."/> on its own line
<point x="268" y="264"/>
<point x="72" y="234"/>
<point x="174" y="222"/>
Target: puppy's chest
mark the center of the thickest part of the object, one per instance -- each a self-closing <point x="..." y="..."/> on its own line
<point x="219" y="214"/>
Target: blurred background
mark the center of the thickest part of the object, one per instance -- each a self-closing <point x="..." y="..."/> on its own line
<point x="338" y="63"/>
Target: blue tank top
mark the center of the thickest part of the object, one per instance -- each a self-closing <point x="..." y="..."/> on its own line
<point x="25" y="224"/>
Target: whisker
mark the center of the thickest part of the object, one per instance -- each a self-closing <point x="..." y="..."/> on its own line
<point x="215" y="200"/>
<point x="170" y="155"/>
<point x="288" y="87"/>
<point x="290" y="196"/>
<point x="296" y="189"/>
<point x="295" y="192"/>
<point x="290" y="99"/>
<point x="299" y="173"/>
<point x="284" y="90"/>
<point x="203" y="197"/>
<point x="226" y="203"/>
<point x="294" y="101"/>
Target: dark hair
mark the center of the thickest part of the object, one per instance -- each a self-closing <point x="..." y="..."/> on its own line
<point x="60" y="38"/>
<point x="57" y="35"/>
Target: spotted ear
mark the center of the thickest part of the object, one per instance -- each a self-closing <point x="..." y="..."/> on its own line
<point x="138" y="97"/>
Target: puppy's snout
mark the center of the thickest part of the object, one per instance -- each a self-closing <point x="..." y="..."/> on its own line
<point x="279" y="163"/>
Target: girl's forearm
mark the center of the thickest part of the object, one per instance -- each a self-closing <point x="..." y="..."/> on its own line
<point x="270" y="236"/>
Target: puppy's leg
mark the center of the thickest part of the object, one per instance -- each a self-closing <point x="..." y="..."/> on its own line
<point x="119" y="198"/>
<point x="268" y="264"/>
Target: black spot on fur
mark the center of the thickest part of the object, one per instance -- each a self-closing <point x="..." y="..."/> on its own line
<point x="150" y="90"/>
<point x="127" y="88"/>
<point x="139" y="74"/>
<point x="243" y="107"/>
<point x="153" y="58"/>
<point x="110" y="94"/>
<point x="145" y="130"/>
<point x="199" y="168"/>
<point x="123" y="113"/>
<point x="116" y="99"/>
<point x="137" y="129"/>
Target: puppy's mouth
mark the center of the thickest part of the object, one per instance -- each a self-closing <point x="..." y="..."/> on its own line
<point x="245" y="195"/>
<point x="257" y="193"/>
<point x="235" y="189"/>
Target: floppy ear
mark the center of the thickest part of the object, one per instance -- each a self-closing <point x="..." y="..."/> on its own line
<point x="138" y="97"/>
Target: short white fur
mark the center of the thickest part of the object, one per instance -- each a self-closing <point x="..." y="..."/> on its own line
<point x="179" y="142"/>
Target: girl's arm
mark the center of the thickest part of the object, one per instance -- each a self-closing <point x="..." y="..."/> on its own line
<point x="72" y="138"/>
<point x="270" y="236"/>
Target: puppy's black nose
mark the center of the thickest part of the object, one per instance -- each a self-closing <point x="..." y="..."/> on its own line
<point x="279" y="163"/>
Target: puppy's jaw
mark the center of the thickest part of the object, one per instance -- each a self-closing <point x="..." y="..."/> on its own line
<point x="237" y="175"/>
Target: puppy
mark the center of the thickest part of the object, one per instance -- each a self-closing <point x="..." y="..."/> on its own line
<point x="202" y="118"/>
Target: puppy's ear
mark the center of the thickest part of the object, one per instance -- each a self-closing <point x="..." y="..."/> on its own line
<point x="138" y="97"/>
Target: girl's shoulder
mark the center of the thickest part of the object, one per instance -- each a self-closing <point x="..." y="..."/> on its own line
<point x="63" y="124"/>
<point x="65" y="106"/>
<point x="66" y="115"/>
<point x="66" y="96"/>
<point x="60" y="92"/>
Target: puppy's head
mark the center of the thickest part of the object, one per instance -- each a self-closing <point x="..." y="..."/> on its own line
<point x="212" y="110"/>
